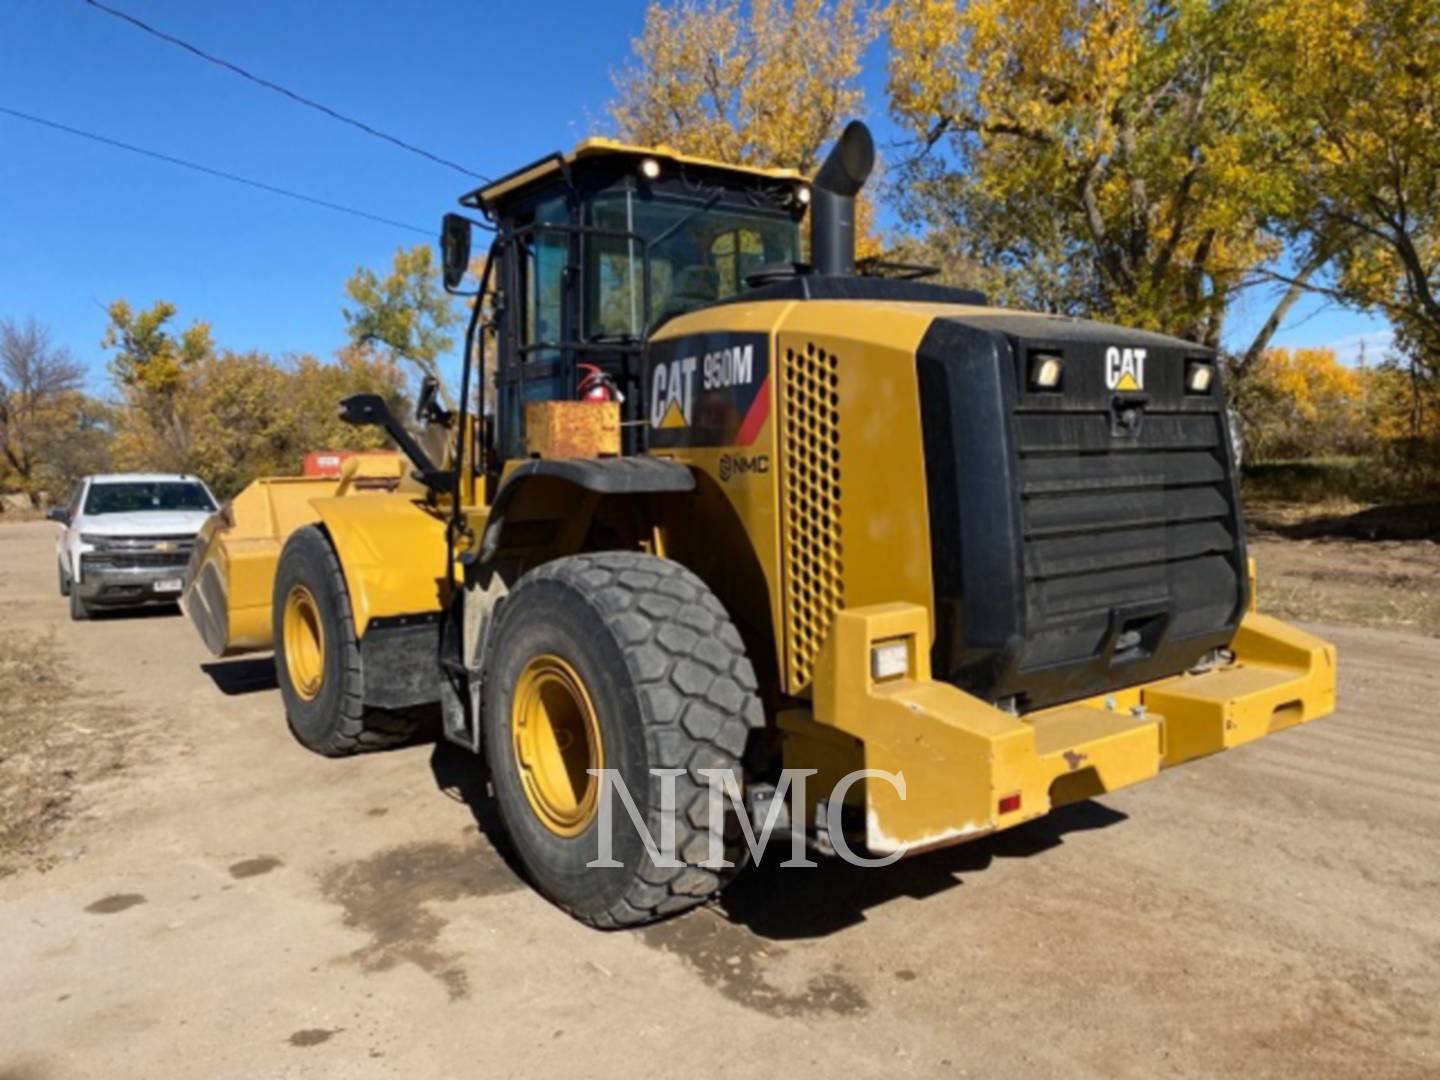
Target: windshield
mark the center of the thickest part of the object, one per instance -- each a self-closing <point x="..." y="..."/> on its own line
<point x="698" y="255"/>
<point x="131" y="496"/>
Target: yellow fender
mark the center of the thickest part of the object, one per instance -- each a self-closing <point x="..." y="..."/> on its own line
<point x="392" y="551"/>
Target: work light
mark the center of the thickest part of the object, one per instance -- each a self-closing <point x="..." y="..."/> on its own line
<point x="1198" y="377"/>
<point x="1045" y="371"/>
<point x="650" y="169"/>
<point x="890" y="659"/>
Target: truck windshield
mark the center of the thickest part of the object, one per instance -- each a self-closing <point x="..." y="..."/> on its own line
<point x="699" y="254"/>
<point x="128" y="497"/>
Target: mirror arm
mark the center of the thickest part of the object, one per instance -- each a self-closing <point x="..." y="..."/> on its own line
<point x="372" y="409"/>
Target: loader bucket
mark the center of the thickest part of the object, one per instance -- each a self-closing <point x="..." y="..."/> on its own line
<point x="231" y="575"/>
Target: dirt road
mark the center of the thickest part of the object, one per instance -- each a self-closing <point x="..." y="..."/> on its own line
<point x="224" y="904"/>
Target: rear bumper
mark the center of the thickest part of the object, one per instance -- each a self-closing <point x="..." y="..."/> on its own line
<point x="963" y="768"/>
<point x="128" y="585"/>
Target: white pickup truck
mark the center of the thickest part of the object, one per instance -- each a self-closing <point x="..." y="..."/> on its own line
<point x="125" y="539"/>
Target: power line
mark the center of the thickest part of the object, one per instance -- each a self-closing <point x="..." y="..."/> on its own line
<point x="215" y="172"/>
<point x="291" y="94"/>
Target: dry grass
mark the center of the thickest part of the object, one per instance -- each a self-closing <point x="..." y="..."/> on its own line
<point x="49" y="747"/>
<point x="1391" y="584"/>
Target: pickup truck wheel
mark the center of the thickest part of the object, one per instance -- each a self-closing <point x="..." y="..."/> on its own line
<point x="64" y="581"/>
<point x="627" y="663"/>
<point x="79" y="610"/>
<point x="317" y="655"/>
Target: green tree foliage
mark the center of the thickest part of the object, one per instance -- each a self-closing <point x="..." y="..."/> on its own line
<point x="406" y="313"/>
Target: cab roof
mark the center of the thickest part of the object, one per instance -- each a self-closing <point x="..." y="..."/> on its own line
<point x="598" y="148"/>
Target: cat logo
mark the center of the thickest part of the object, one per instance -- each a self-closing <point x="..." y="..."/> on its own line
<point x="671" y="392"/>
<point x="708" y="390"/>
<point x="1125" y="368"/>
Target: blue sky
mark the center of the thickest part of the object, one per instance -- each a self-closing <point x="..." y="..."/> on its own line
<point x="490" y="86"/>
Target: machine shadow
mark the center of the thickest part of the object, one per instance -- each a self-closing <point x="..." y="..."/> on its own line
<point x="797" y="903"/>
<point x="251" y="675"/>
<point x="129" y="614"/>
<point x="465" y="778"/>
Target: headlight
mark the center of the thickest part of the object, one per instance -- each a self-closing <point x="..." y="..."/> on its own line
<point x="802" y="195"/>
<point x="1045" y="371"/>
<point x="1199" y="377"/>
<point x="650" y="168"/>
<point x="92" y="539"/>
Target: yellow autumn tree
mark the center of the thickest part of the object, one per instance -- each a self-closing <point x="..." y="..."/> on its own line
<point x="1304" y="403"/>
<point x="1097" y="157"/>
<point x="152" y="368"/>
<point x="247" y="415"/>
<point x="231" y="417"/>
<point x="1361" y="93"/>
<point x="770" y="83"/>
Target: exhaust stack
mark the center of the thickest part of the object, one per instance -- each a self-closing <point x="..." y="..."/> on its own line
<point x="832" y="200"/>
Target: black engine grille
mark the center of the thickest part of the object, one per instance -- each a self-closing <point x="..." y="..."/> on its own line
<point x="1111" y="526"/>
<point x="1082" y="538"/>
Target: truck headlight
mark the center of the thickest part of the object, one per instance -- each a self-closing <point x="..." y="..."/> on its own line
<point x="1198" y="377"/>
<point x="92" y="540"/>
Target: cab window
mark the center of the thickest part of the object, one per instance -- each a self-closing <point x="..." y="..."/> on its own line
<point x="545" y="256"/>
<point x="698" y="255"/>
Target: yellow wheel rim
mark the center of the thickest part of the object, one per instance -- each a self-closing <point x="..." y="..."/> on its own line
<point x="304" y="642"/>
<point x="557" y="739"/>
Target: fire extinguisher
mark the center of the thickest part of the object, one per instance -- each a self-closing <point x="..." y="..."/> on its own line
<point x="597" y="385"/>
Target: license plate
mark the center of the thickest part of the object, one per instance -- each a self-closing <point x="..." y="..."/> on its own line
<point x="172" y="584"/>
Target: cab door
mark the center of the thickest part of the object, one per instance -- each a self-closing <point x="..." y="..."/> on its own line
<point x="538" y="319"/>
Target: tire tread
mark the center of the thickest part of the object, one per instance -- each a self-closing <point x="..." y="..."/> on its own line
<point x="687" y="663"/>
<point x="358" y="729"/>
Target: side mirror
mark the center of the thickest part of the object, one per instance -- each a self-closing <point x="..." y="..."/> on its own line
<point x="455" y="249"/>
<point x="58" y="513"/>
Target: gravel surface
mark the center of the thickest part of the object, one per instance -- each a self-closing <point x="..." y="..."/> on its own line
<point x="220" y="903"/>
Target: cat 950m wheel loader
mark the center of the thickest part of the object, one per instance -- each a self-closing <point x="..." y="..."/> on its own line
<point x="724" y="513"/>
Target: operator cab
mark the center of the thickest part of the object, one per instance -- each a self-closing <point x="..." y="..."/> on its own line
<point x="593" y="249"/>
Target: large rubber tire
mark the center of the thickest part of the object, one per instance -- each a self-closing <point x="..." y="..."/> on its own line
<point x="64" y="581"/>
<point x="79" y="610"/>
<point x="672" y="688"/>
<point x="333" y="720"/>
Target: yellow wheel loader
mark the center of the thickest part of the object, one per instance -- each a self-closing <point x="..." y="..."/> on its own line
<point x="726" y="524"/>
